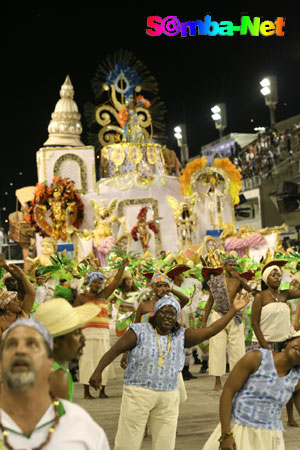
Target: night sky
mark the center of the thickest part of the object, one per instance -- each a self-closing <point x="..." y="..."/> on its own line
<point x="41" y="47"/>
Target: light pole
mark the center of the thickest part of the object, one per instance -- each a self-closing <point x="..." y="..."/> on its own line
<point x="269" y="91"/>
<point x="220" y="117"/>
<point x="180" y="134"/>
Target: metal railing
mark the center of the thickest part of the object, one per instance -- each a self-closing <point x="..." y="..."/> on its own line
<point x="255" y="181"/>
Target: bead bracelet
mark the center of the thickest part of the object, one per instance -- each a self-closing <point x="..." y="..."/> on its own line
<point x="225" y="435"/>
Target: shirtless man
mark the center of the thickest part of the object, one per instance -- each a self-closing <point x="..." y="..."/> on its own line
<point x="223" y="289"/>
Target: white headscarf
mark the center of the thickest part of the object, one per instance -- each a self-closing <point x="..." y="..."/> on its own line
<point x="268" y="271"/>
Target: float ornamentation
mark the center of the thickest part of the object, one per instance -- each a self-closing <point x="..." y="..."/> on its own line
<point x="128" y="116"/>
<point x="140" y="230"/>
<point x="185" y="219"/>
<point x="234" y="175"/>
<point x="60" y="204"/>
<point x="102" y="238"/>
<point x="187" y="173"/>
<point x="213" y="175"/>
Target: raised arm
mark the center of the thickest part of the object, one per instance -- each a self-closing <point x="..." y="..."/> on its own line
<point x="195" y="336"/>
<point x="124" y="344"/>
<point x="21" y="289"/>
<point x="139" y="313"/>
<point x="108" y="290"/>
<point x="235" y="381"/>
<point x="293" y="293"/>
<point x="28" y="288"/>
<point x="207" y="309"/>
<point x="255" y="319"/>
<point x="183" y="299"/>
<point x="242" y="280"/>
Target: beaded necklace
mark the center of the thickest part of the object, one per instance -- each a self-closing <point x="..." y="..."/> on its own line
<point x="275" y="298"/>
<point x="51" y="430"/>
<point x="161" y="356"/>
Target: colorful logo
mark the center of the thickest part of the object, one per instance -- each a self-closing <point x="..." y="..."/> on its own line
<point x="171" y="26"/>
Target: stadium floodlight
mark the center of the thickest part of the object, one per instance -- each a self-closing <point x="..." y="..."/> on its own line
<point x="269" y="91"/>
<point x="180" y="134"/>
<point x="220" y="117"/>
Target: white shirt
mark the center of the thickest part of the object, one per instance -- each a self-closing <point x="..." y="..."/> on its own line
<point x="76" y="430"/>
<point x="275" y="322"/>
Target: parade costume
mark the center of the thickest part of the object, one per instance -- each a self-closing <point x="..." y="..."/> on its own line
<point x="275" y="323"/>
<point x="159" y="277"/>
<point x="97" y="343"/>
<point x="275" y="320"/>
<point x="233" y="333"/>
<point x="257" y="408"/>
<point x="151" y="386"/>
<point x="96" y="333"/>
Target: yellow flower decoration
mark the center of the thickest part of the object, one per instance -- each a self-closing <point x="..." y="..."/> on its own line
<point x="234" y="175"/>
<point x="190" y="168"/>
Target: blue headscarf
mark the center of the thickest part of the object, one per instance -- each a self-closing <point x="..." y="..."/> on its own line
<point x="38" y="326"/>
<point x="167" y="300"/>
<point x="92" y="275"/>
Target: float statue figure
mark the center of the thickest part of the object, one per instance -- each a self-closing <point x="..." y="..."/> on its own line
<point x="141" y="229"/>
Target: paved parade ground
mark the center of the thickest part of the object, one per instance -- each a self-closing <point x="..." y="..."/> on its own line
<point x="198" y="415"/>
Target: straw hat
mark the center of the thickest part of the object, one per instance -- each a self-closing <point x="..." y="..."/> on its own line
<point x="61" y="318"/>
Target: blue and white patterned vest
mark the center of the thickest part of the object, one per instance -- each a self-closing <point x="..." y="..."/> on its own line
<point x="142" y="363"/>
<point x="260" y="401"/>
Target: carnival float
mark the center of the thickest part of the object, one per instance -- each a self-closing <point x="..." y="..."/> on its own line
<point x="137" y="197"/>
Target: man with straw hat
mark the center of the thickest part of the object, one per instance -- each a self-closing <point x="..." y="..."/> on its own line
<point x="64" y="324"/>
<point x="156" y="357"/>
<point x="30" y="417"/>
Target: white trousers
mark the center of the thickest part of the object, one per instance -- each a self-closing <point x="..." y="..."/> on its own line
<point x="233" y="337"/>
<point x="140" y="404"/>
<point x="248" y="438"/>
<point x="96" y="344"/>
